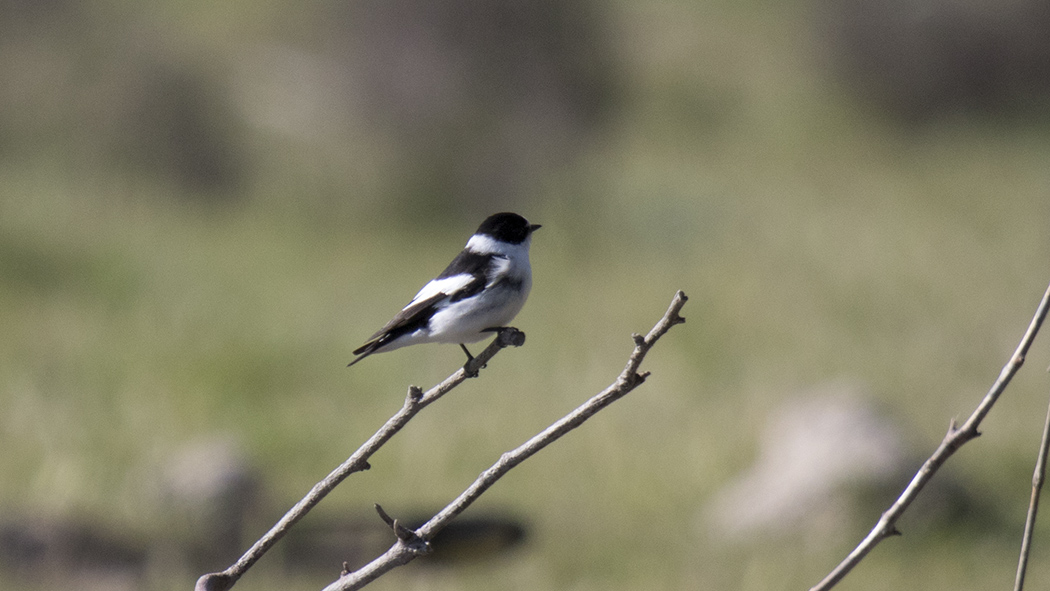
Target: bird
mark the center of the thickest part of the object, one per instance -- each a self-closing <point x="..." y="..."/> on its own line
<point x="480" y="291"/>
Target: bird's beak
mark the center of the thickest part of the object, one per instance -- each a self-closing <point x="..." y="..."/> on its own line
<point x="534" y="227"/>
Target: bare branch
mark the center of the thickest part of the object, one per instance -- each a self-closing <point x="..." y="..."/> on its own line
<point x="953" y="440"/>
<point x="1033" y="504"/>
<point x="415" y="401"/>
<point x="403" y="551"/>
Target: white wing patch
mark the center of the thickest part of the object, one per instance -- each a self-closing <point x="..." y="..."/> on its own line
<point x="446" y="285"/>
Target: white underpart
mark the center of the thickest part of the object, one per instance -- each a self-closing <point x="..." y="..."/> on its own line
<point x="463" y="321"/>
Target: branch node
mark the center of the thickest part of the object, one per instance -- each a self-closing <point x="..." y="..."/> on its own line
<point x="952" y="427"/>
<point x="403" y="533"/>
<point x="415" y="394"/>
<point x="894" y="531"/>
<point x="675" y="318"/>
<point x="410" y="538"/>
<point x="415" y="544"/>
<point x="346" y="569"/>
<point x="639" y="340"/>
<point x="509" y="336"/>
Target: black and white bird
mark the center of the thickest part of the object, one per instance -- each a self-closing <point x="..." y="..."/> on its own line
<point x="480" y="291"/>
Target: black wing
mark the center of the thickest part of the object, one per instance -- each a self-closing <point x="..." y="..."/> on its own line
<point x="408" y="320"/>
<point x="416" y="316"/>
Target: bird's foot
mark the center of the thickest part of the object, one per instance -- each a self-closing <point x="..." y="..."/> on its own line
<point x="506" y="336"/>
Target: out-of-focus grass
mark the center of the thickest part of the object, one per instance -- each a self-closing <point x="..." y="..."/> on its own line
<point x="816" y="242"/>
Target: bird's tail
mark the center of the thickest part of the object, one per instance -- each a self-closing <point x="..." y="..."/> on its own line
<point x="356" y="359"/>
<point x="365" y="350"/>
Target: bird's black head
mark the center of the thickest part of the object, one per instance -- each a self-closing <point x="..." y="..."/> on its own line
<point x="507" y="227"/>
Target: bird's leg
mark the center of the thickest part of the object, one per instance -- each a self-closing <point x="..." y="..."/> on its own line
<point x="469" y="356"/>
<point x="510" y="337"/>
<point x="470" y="359"/>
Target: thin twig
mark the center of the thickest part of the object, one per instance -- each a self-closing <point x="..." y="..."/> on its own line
<point x="1033" y="504"/>
<point x="954" y="439"/>
<point x="415" y="401"/>
<point x="410" y="544"/>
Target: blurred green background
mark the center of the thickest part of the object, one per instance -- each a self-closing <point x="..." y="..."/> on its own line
<point x="204" y="207"/>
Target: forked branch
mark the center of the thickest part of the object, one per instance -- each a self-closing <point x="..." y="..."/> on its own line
<point x="415" y="401"/>
<point x="411" y="544"/>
